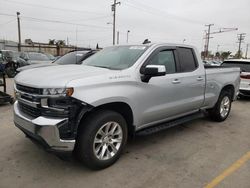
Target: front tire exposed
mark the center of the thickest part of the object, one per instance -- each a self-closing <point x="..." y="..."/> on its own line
<point x="101" y="139"/>
<point x="222" y="108"/>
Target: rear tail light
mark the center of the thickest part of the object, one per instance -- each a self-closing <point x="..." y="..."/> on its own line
<point x="245" y="76"/>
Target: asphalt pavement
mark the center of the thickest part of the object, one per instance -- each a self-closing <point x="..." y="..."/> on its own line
<point x="196" y="154"/>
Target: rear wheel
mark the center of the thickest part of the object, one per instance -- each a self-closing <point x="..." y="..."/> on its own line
<point x="101" y="139"/>
<point x="222" y="108"/>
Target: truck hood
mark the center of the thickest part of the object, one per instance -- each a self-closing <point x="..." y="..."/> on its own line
<point x="57" y="76"/>
<point x="32" y="66"/>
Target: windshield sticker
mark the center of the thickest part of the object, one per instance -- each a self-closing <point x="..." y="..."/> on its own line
<point x="137" y="47"/>
<point x="79" y="54"/>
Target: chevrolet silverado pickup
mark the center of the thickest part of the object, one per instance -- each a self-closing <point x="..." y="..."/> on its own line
<point x="92" y="109"/>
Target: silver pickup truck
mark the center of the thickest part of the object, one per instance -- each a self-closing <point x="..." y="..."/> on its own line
<point x="119" y="92"/>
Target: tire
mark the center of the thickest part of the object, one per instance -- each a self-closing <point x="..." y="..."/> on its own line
<point x="90" y="153"/>
<point x="224" y="102"/>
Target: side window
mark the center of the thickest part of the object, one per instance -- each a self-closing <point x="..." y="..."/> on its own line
<point x="187" y="60"/>
<point x="166" y="58"/>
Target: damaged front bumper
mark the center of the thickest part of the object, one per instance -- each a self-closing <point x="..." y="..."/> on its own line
<point x="44" y="129"/>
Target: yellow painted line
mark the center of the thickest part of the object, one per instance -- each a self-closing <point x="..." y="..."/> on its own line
<point x="229" y="170"/>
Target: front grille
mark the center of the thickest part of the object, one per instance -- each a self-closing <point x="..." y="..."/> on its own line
<point x="29" y="110"/>
<point x="30" y="90"/>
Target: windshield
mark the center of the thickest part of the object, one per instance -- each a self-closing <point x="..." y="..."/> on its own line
<point x="7" y="53"/>
<point x="51" y="57"/>
<point x="71" y="58"/>
<point x="244" y="66"/>
<point x="33" y="56"/>
<point x="11" y="54"/>
<point x="116" y="57"/>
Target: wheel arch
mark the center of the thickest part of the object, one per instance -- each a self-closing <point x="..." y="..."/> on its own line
<point x="229" y="88"/>
<point x="120" y="107"/>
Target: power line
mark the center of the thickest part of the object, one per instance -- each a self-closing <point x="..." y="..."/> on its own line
<point x="61" y="22"/>
<point x="54" y="21"/>
<point x="5" y="23"/>
<point x="47" y="7"/>
<point x="46" y="29"/>
<point x="93" y="39"/>
<point x="10" y="15"/>
<point x="63" y="31"/>
<point x="89" y="19"/>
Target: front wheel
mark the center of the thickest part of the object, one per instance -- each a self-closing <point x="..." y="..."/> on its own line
<point x="101" y="139"/>
<point x="222" y="108"/>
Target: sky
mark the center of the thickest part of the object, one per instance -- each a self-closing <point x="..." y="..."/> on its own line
<point x="88" y="22"/>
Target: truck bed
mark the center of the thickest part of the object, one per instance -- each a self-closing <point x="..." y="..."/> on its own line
<point x="216" y="78"/>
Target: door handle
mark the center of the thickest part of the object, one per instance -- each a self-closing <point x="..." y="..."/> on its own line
<point x="176" y="81"/>
<point x="199" y="78"/>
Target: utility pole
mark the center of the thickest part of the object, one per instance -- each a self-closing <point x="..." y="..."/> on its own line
<point x="113" y="8"/>
<point x="127" y="35"/>
<point x="19" y="31"/>
<point x="241" y="38"/>
<point x="67" y="41"/>
<point x="246" y="51"/>
<point x="207" y="39"/>
<point x="208" y="36"/>
<point x="118" y="37"/>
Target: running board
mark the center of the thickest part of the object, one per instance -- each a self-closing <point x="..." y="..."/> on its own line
<point x="163" y="126"/>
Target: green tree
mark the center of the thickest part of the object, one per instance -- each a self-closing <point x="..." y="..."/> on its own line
<point x="60" y="43"/>
<point x="209" y="55"/>
<point x="238" y="55"/>
<point x="52" y="41"/>
<point x="225" y="55"/>
<point x="217" y="54"/>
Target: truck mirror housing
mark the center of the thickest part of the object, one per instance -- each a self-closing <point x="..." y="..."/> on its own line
<point x="153" y="71"/>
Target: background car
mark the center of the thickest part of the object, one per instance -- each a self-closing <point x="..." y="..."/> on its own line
<point x="35" y="57"/>
<point x="74" y="57"/>
<point x="50" y="56"/>
<point x="212" y="62"/>
<point x="215" y="63"/>
<point x="10" y="61"/>
<point x="244" y="65"/>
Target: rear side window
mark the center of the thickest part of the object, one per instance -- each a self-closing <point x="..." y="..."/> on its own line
<point x="187" y="60"/>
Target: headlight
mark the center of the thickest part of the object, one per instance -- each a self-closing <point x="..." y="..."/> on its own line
<point x="58" y="91"/>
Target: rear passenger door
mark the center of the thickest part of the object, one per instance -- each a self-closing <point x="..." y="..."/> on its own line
<point x="191" y="77"/>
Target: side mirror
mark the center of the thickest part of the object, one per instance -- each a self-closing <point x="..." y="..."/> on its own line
<point x="153" y="71"/>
